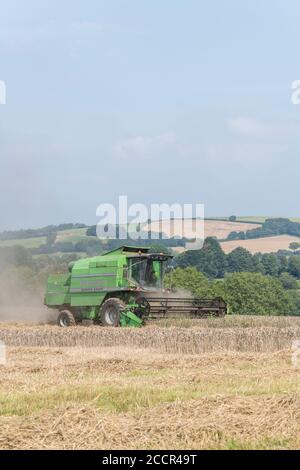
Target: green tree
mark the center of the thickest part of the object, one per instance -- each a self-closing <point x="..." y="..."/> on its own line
<point x="240" y="260"/>
<point x="210" y="260"/>
<point x="294" y="266"/>
<point x="256" y="294"/>
<point x="270" y="264"/>
<point x="288" y="281"/>
<point x="294" y="298"/>
<point x="190" y="280"/>
<point x="51" y="237"/>
<point x="283" y="263"/>
<point x="294" y="246"/>
<point x="159" y="248"/>
<point x="258" y="266"/>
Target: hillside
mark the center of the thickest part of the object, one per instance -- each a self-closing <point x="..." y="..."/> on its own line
<point x="213" y="228"/>
<point x="76" y="239"/>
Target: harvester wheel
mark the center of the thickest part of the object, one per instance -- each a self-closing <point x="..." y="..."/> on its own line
<point x="221" y="313"/>
<point x="65" y="318"/>
<point x="143" y="308"/>
<point x="222" y="307"/>
<point x="110" y="312"/>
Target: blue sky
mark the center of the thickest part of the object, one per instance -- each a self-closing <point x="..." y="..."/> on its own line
<point x="163" y="101"/>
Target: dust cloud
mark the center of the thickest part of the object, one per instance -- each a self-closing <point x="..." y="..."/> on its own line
<point x="172" y="294"/>
<point x="21" y="298"/>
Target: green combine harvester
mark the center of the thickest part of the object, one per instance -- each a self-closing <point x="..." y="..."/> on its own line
<point x="123" y="287"/>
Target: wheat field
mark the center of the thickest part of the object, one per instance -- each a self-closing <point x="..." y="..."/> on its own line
<point x="212" y="228"/>
<point x="225" y="383"/>
<point x="261" y="245"/>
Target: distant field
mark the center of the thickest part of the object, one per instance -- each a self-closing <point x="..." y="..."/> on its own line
<point x="74" y="235"/>
<point x="212" y="228"/>
<point x="263" y="245"/>
<point x="261" y="219"/>
<point x="26" y="242"/>
<point x="255" y="219"/>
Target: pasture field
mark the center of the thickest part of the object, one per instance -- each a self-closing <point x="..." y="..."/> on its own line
<point x="261" y="219"/>
<point x="74" y="235"/>
<point x="225" y="383"/>
<point x="34" y="242"/>
<point x="253" y="219"/>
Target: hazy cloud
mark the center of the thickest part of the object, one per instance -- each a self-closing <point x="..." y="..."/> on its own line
<point x="141" y="146"/>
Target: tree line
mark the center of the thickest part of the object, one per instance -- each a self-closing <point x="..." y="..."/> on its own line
<point x="271" y="227"/>
<point x="261" y="284"/>
<point x="245" y="292"/>
<point x="214" y="263"/>
<point x="39" y="232"/>
<point x="93" y="246"/>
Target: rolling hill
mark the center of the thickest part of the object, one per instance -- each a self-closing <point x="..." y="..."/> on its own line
<point x="218" y="227"/>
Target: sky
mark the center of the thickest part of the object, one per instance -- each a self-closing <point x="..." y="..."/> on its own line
<point x="165" y="101"/>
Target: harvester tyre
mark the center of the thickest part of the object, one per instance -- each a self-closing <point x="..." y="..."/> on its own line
<point x="221" y="313"/>
<point x="222" y="308"/>
<point x="110" y="312"/>
<point x="65" y="319"/>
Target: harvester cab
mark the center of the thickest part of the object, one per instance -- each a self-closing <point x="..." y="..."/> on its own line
<point x="147" y="270"/>
<point x="123" y="287"/>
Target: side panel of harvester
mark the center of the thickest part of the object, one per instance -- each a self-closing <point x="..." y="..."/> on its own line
<point x="92" y="279"/>
<point x="58" y="290"/>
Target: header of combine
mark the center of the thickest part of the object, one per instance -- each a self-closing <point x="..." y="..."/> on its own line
<point x="122" y="287"/>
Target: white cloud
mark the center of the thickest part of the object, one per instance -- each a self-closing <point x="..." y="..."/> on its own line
<point x="140" y="146"/>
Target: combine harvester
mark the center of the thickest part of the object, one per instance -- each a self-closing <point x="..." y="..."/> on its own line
<point x="123" y="287"/>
